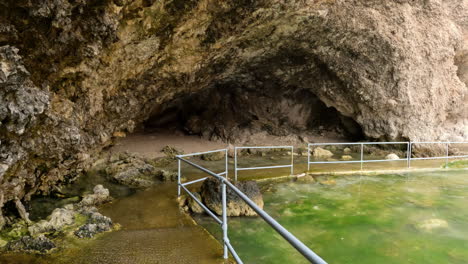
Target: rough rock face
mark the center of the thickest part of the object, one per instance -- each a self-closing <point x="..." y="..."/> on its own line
<point x="211" y="197"/>
<point x="73" y="74"/>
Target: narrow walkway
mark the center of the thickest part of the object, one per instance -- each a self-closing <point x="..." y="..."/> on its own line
<point x="153" y="231"/>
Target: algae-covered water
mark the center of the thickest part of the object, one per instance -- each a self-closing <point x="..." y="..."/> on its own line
<point x="407" y="218"/>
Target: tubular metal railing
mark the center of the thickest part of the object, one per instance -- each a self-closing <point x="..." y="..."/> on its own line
<point x="225" y="183"/>
<point x="236" y="168"/>
<point x="408" y="159"/>
<point x="361" y="161"/>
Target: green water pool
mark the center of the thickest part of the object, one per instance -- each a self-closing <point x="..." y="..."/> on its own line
<point x="398" y="218"/>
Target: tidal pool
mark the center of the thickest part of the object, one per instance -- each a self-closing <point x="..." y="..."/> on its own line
<point x="419" y="217"/>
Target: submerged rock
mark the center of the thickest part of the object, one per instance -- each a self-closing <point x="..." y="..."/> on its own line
<point x="306" y="179"/>
<point x="165" y="175"/>
<point x="346" y="157"/>
<point x="392" y="156"/>
<point x="430" y="224"/>
<point x="211" y="196"/>
<point x="215" y="156"/>
<point x="322" y="153"/>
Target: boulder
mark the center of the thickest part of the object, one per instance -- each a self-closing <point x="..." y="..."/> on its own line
<point x="392" y="156"/>
<point x="211" y="196"/>
<point x="194" y="206"/>
<point x="321" y="153"/>
<point x="346" y="150"/>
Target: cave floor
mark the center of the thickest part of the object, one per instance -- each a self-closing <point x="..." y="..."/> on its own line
<point x="149" y="144"/>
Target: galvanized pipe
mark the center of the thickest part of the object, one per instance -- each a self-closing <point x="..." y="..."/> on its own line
<point x="225" y="225"/>
<point x="235" y="164"/>
<point x="236" y="168"/>
<point x="447" y="155"/>
<point x="208" y="211"/>
<point x="262" y="168"/>
<point x="292" y="160"/>
<point x="234" y="253"/>
<point x="308" y="157"/>
<point x="296" y="243"/>
<point x="178" y="178"/>
<point x="410" y="154"/>
<point x="226" y="164"/>
<point x="194" y="181"/>
<point x="362" y="154"/>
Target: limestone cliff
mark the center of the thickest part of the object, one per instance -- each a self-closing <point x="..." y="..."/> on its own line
<point x="73" y="73"/>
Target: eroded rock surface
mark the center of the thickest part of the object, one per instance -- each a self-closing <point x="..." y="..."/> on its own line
<point x="76" y="74"/>
<point x="211" y="196"/>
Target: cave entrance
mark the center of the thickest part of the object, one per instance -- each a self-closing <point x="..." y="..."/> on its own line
<point x="238" y="115"/>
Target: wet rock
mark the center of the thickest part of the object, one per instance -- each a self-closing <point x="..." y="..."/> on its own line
<point x="211" y="195"/>
<point x="165" y="175"/>
<point x="31" y="244"/>
<point x="97" y="223"/>
<point x="171" y="152"/>
<point x="346" y="157"/>
<point x="392" y="156"/>
<point x="431" y="224"/>
<point x="327" y="182"/>
<point x="215" y="156"/>
<point x="100" y="196"/>
<point x="306" y="179"/>
<point x="59" y="218"/>
<point x="321" y="153"/>
<point x="132" y="171"/>
<point x="194" y="206"/>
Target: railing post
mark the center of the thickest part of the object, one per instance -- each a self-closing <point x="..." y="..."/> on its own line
<point x="308" y="157"/>
<point x="408" y="154"/>
<point x="178" y="178"/>
<point x="226" y="164"/>
<point x="225" y="225"/>
<point x="292" y="160"/>
<point x="235" y="164"/>
<point x="362" y="154"/>
<point x="446" y="155"/>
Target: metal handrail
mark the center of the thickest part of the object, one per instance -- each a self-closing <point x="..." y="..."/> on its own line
<point x="408" y="158"/>
<point x="362" y="160"/>
<point x="296" y="243"/>
<point x="236" y="169"/>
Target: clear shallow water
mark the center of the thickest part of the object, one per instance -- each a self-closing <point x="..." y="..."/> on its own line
<point x="408" y="218"/>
